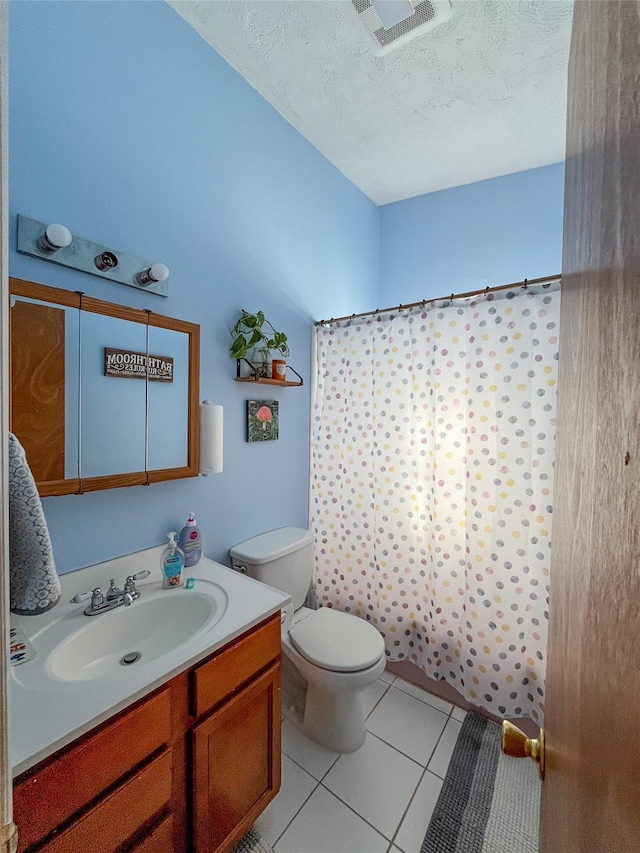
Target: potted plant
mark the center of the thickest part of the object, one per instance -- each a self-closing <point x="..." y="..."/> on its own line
<point x="253" y="335"/>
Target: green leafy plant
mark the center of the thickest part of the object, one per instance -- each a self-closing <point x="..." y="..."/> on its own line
<point x="255" y="332"/>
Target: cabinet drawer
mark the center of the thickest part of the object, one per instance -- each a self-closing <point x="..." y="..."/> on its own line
<point x="49" y="795"/>
<point x="158" y="840"/>
<point x="108" y="825"/>
<point x="235" y="665"/>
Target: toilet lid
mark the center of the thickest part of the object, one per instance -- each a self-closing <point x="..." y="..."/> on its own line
<point x="337" y="641"/>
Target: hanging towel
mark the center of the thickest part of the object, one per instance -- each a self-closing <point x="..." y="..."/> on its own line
<point x="34" y="582"/>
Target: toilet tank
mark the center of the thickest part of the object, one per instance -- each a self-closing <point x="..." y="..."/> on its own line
<point x="281" y="558"/>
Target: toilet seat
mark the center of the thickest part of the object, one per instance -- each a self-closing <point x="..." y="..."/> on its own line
<point x="337" y="641"/>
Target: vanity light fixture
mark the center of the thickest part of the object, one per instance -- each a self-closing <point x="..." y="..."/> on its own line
<point x="56" y="244"/>
<point x="55" y="237"/>
<point x="155" y="273"/>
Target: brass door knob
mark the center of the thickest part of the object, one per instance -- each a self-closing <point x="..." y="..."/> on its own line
<point x="516" y="744"/>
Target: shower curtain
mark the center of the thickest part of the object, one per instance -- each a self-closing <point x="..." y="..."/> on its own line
<point x="431" y="486"/>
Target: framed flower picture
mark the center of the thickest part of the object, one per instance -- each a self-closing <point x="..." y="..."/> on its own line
<point x="262" y="420"/>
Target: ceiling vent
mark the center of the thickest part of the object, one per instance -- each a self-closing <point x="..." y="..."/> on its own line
<point x="392" y="23"/>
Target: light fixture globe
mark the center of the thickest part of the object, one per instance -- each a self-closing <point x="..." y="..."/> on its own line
<point x="155" y="273"/>
<point x="55" y="237"/>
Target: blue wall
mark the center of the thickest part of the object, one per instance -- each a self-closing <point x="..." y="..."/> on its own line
<point x="150" y="143"/>
<point x="156" y="146"/>
<point x="488" y="233"/>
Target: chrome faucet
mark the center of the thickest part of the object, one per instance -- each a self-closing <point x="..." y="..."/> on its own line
<point x="113" y="598"/>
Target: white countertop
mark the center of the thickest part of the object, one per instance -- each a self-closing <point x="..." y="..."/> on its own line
<point x="43" y="717"/>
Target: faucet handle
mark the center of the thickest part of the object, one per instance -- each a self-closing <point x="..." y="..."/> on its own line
<point x="79" y="596"/>
<point x="141" y="575"/>
<point x="96" y="597"/>
<point x="137" y="577"/>
<point x="130" y="583"/>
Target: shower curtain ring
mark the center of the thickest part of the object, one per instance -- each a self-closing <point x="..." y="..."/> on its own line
<point x="524" y="286"/>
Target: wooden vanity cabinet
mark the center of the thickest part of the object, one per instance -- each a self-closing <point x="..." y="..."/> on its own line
<point x="188" y="768"/>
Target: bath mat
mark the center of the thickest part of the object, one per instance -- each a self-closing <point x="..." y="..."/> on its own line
<point x="489" y="803"/>
<point x="252" y="843"/>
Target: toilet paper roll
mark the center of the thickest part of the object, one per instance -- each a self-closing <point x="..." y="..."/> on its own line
<point x="211" y="438"/>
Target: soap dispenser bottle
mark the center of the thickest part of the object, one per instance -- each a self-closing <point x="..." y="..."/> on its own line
<point x="190" y="541"/>
<point x="172" y="562"/>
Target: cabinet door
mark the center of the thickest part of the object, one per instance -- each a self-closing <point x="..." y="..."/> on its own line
<point x="236" y="763"/>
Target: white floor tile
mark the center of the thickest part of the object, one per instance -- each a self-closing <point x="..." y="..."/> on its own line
<point x="313" y="758"/>
<point x="440" y="760"/>
<point x="372" y="694"/>
<point x="414" y="826"/>
<point x="296" y="786"/>
<point x="377" y="782"/>
<point x="410" y="725"/>
<point x="387" y="676"/>
<point x="325" y="825"/>
<point x="458" y="714"/>
<point x="423" y="695"/>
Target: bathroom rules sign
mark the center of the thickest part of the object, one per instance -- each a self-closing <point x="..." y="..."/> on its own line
<point x="128" y="364"/>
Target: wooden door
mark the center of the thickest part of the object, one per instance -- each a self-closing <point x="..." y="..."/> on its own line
<point x="591" y="794"/>
<point x="236" y="764"/>
<point x="38" y="386"/>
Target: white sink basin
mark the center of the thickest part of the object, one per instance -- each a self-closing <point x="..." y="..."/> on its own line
<point x="78" y="648"/>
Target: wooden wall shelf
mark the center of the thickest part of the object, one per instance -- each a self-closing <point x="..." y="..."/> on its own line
<point x="261" y="380"/>
<point x="281" y="382"/>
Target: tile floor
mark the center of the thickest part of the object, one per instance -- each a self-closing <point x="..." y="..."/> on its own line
<point x="376" y="800"/>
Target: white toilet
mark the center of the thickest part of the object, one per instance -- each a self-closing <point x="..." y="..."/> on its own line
<point x="329" y="657"/>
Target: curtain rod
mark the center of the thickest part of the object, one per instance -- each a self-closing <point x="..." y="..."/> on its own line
<point x="524" y="284"/>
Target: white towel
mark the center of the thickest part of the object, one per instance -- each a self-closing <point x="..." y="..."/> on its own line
<point x="34" y="582"/>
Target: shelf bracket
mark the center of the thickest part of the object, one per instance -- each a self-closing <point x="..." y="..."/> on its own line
<point x="252" y="368"/>
<point x="296" y="373"/>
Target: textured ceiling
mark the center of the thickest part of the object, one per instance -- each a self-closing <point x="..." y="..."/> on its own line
<point x="482" y="95"/>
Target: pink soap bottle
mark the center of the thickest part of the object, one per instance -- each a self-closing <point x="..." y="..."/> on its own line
<point x="190" y="542"/>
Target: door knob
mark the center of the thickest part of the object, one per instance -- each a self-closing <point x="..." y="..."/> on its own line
<point x="516" y="744"/>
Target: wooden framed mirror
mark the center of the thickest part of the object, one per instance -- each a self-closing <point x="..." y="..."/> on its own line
<point x="102" y="396"/>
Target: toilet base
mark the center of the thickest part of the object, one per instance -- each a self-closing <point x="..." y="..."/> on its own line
<point x="327" y="707"/>
<point x="334" y="720"/>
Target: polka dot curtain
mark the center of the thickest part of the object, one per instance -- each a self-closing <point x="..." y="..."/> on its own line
<point x="432" y="478"/>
